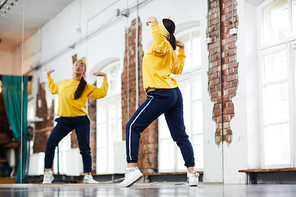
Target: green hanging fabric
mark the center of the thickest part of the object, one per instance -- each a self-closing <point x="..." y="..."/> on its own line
<point x="15" y="94"/>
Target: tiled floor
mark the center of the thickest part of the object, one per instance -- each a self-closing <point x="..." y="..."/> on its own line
<point x="146" y="190"/>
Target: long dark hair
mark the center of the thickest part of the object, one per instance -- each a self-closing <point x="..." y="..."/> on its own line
<point x="81" y="85"/>
<point x="80" y="88"/>
<point x="170" y="26"/>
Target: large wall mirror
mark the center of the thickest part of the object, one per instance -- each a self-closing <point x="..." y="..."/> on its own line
<point x="36" y="36"/>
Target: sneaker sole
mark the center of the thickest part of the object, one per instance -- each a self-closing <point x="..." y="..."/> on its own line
<point x="193" y="185"/>
<point x="132" y="183"/>
<point x="90" y="182"/>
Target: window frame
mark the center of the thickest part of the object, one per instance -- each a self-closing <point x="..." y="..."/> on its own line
<point x="106" y="101"/>
<point x="286" y="44"/>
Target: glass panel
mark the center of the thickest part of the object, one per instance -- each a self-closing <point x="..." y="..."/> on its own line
<point x="166" y="155"/>
<point x="113" y="80"/>
<point x="110" y="129"/>
<point x="113" y="74"/>
<point x="276" y="103"/>
<point x="111" y="133"/>
<point x="277" y="144"/>
<point x="101" y="109"/>
<point x="197" y="88"/>
<point x="102" y="135"/>
<point x="112" y="121"/>
<point x="276" y="21"/>
<point x="163" y="129"/>
<point x="180" y="160"/>
<point x="119" y="124"/>
<point x="186" y="40"/>
<point x="196" y="49"/>
<point x="198" y="150"/>
<point x="197" y="117"/>
<point x="275" y="67"/>
<point x="185" y="89"/>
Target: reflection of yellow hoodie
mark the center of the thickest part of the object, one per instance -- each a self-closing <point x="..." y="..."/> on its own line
<point x="160" y="61"/>
<point x="67" y="106"/>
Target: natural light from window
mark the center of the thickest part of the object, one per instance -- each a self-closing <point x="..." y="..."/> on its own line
<point x="276" y="109"/>
<point x="108" y="120"/>
<point x="276" y="21"/>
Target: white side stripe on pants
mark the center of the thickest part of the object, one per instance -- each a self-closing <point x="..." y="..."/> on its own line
<point x="130" y="129"/>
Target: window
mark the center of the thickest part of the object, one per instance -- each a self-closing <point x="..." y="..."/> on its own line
<point x="192" y="44"/>
<point x="276" y="108"/>
<point x="190" y="84"/>
<point x="108" y="120"/>
<point x="277" y="20"/>
<point x="277" y="72"/>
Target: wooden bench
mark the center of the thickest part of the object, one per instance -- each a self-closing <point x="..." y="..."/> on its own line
<point x="7" y="180"/>
<point x="251" y="174"/>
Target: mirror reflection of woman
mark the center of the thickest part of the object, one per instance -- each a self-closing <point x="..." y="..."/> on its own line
<point x="72" y="98"/>
<point x="163" y="97"/>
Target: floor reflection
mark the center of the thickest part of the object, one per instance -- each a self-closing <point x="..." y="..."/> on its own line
<point x="146" y="190"/>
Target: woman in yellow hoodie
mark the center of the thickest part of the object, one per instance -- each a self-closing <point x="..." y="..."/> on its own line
<point x="163" y="96"/>
<point x="72" y="98"/>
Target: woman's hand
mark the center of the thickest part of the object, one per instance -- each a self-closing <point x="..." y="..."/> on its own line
<point x="180" y="44"/>
<point x="151" y="20"/>
<point x="100" y="74"/>
<point x="50" y="71"/>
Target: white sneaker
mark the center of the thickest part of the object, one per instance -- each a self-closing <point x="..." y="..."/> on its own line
<point x="47" y="177"/>
<point x="89" y="179"/>
<point x="192" y="179"/>
<point x="132" y="175"/>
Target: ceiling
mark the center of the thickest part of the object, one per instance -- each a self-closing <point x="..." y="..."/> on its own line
<point x="36" y="14"/>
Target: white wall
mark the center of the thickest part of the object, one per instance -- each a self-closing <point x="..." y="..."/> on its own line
<point x="213" y="158"/>
<point x="252" y="88"/>
<point x="6" y="67"/>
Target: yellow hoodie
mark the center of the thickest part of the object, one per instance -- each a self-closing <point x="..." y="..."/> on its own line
<point x="67" y="106"/>
<point x="160" y="61"/>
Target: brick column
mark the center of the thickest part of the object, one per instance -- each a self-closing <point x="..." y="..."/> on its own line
<point x="41" y="112"/>
<point x="92" y="103"/>
<point x="222" y="95"/>
<point x="148" y="151"/>
<point x="50" y="118"/>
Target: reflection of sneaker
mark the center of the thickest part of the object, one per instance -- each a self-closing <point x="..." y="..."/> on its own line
<point x="48" y="192"/>
<point x="193" y="192"/>
<point x="89" y="179"/>
<point x="47" y="177"/>
<point x="192" y="179"/>
<point x="132" y="175"/>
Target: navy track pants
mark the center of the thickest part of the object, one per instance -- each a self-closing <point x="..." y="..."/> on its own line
<point x="159" y="101"/>
<point x="65" y="125"/>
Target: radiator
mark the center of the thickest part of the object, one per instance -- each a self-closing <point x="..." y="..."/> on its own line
<point x="119" y="157"/>
<point x="74" y="162"/>
<point x="36" y="164"/>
